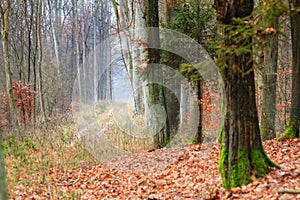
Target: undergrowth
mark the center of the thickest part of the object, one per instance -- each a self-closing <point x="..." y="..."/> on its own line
<point x="31" y="157"/>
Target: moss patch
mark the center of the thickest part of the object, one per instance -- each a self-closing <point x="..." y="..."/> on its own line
<point x="259" y="163"/>
<point x="239" y="174"/>
<point x="224" y="160"/>
<point x="241" y="171"/>
<point x="289" y="133"/>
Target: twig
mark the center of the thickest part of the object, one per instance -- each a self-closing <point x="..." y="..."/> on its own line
<point x="74" y="182"/>
<point x="289" y="191"/>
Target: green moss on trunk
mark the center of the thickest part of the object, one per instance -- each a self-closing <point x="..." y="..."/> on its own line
<point x="224" y="160"/>
<point x="290" y="132"/>
<point x="240" y="173"/>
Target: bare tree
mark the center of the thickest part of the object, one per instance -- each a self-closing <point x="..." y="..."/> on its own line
<point x="40" y="57"/>
<point x="5" y="11"/>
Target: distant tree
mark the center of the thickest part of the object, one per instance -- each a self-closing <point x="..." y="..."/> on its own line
<point x="241" y="154"/>
<point x="193" y="18"/>
<point x="5" y="8"/>
<point x="40" y="57"/>
<point x="77" y="41"/>
<point x="293" y="126"/>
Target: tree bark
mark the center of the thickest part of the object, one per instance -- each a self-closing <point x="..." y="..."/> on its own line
<point x="77" y="53"/>
<point x="95" y="78"/>
<point x="269" y="88"/>
<point x="156" y="91"/>
<point x="293" y="127"/>
<point x="84" y="70"/>
<point x="40" y="57"/>
<point x="199" y="137"/>
<point x="241" y="154"/>
<point x="3" y="185"/>
<point x="138" y="54"/>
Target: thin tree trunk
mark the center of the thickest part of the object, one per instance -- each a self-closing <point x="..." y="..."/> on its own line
<point x="94" y="52"/>
<point x="83" y="51"/>
<point x="3" y="185"/>
<point x="184" y="111"/>
<point x="199" y="86"/>
<point x="40" y="57"/>
<point x="77" y="53"/>
<point x="5" y="42"/>
<point x="199" y="137"/>
<point x="55" y="32"/>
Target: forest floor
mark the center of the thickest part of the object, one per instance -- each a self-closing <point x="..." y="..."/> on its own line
<point x="183" y="172"/>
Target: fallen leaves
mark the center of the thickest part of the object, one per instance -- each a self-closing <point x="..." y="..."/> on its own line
<point x="185" y="172"/>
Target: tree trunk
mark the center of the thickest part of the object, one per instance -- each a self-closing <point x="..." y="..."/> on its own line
<point x="95" y="78"/>
<point x="293" y="126"/>
<point x="55" y="26"/>
<point x="40" y="57"/>
<point x="156" y="91"/>
<point x="77" y="53"/>
<point x="269" y="88"/>
<point x="199" y="137"/>
<point x="3" y="185"/>
<point x="241" y="154"/>
<point x="138" y="54"/>
<point x="5" y="42"/>
<point x="84" y="70"/>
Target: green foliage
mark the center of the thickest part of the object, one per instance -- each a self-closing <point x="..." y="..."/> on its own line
<point x="16" y="147"/>
<point x="188" y="70"/>
<point x="256" y="27"/>
<point x="195" y="19"/>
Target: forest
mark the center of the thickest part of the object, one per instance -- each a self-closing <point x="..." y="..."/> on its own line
<point x="150" y="99"/>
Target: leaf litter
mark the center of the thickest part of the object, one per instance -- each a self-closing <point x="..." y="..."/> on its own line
<point x="181" y="172"/>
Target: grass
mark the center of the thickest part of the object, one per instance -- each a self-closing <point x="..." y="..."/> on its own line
<point x="32" y="158"/>
<point x="52" y="150"/>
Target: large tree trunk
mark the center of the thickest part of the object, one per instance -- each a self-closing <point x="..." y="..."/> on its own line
<point x="269" y="88"/>
<point x="156" y="91"/>
<point x="5" y="42"/>
<point x="242" y="154"/>
<point x="293" y="127"/>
